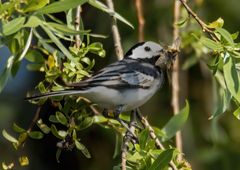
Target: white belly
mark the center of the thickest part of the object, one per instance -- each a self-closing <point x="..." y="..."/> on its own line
<point x="129" y="99"/>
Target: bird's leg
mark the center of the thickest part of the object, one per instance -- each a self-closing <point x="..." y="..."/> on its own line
<point x="116" y="114"/>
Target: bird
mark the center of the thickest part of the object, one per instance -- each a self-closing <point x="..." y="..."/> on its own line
<point x="125" y="84"/>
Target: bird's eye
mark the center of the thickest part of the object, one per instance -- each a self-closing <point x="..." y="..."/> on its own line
<point x="147" y="48"/>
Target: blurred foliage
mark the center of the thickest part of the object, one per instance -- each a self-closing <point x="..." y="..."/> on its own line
<point x="32" y="30"/>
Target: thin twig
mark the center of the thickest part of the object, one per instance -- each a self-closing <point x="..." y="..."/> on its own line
<point x="127" y="139"/>
<point x="176" y="78"/>
<point x="77" y="25"/>
<point x="141" y="20"/>
<point x="115" y="32"/>
<point x="158" y="143"/>
<point x="35" y="118"/>
<point x="199" y="21"/>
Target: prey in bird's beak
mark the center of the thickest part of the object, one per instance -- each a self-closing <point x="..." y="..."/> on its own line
<point x="168" y="55"/>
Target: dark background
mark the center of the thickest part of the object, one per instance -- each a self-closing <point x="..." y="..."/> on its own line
<point x="208" y="144"/>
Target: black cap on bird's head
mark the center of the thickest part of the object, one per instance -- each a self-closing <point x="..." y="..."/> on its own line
<point x="153" y="53"/>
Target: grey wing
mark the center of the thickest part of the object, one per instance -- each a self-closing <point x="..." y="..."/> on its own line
<point x="138" y="79"/>
<point x="117" y="75"/>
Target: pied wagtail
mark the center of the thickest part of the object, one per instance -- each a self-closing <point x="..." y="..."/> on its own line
<point x="126" y="84"/>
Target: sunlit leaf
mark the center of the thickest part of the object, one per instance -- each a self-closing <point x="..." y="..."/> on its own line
<point x="101" y="6"/>
<point x="58" y="44"/>
<point x="176" y="122"/>
<point x="9" y="137"/>
<point x="60" y="6"/>
<point x="162" y="160"/>
<point x="226" y="35"/>
<point x="13" y="26"/>
<point x="236" y="113"/>
<point x="82" y="148"/>
<point x="65" y="29"/>
<point x="216" y="24"/>
<point x="35" y="5"/>
<point x="7" y="166"/>
<point x="33" y="21"/>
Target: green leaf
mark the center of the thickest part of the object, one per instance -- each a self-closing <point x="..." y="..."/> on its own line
<point x="143" y="137"/>
<point x="9" y="137"/>
<point x="55" y="132"/>
<point x="61" y="118"/>
<point x="58" y="153"/>
<point x="211" y="44"/>
<point x="88" y="121"/>
<point x="43" y="126"/>
<point x="236" y="113"/>
<point x="6" y="72"/>
<point x="226" y="35"/>
<point x="33" y="22"/>
<point x="231" y="77"/>
<point x="216" y="24"/>
<point x="223" y="97"/>
<point x="13" y="26"/>
<point x="162" y="160"/>
<point x="35" y="135"/>
<point x="60" y="6"/>
<point x="34" y="56"/>
<point x="82" y="148"/>
<point x="176" y="123"/>
<point x="64" y="29"/>
<point x="53" y="119"/>
<point x="35" y="5"/>
<point x="59" y="44"/>
<point x="102" y="7"/>
<point x="17" y="128"/>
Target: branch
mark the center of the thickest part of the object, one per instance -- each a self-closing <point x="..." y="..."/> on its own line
<point x="176" y="77"/>
<point x="199" y="21"/>
<point x="35" y="118"/>
<point x="115" y="32"/>
<point x="141" y="20"/>
<point x="158" y="143"/>
<point x="77" y="25"/>
<point x="127" y="139"/>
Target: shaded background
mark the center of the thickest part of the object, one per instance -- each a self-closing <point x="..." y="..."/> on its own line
<point x="208" y="144"/>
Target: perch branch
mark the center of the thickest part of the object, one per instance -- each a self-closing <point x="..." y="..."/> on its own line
<point x="77" y="25"/>
<point x="127" y="139"/>
<point x="115" y="32"/>
<point x="176" y="77"/>
<point x="202" y="24"/>
<point x="158" y="143"/>
<point x="141" y="20"/>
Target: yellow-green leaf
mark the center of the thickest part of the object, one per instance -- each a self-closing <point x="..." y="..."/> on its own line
<point x="23" y="160"/>
<point x="13" y="26"/>
<point x="9" y="137"/>
<point x="216" y="24"/>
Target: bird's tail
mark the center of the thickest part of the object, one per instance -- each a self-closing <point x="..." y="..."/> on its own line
<point x="54" y="93"/>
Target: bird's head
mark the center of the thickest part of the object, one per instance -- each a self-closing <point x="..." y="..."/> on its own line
<point x="152" y="52"/>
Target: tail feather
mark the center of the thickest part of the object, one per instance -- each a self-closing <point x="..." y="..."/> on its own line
<point x="53" y="94"/>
